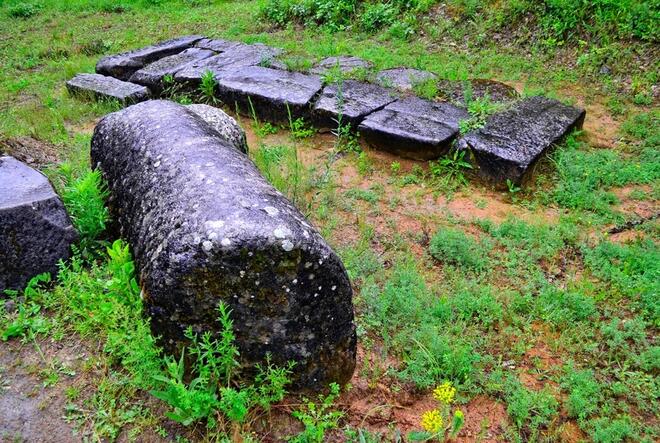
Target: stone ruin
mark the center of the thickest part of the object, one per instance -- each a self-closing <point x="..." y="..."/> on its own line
<point x="384" y="112"/>
<point x="205" y="226"/>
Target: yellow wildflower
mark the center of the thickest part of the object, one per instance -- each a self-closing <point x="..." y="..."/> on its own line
<point x="432" y="421"/>
<point x="444" y="393"/>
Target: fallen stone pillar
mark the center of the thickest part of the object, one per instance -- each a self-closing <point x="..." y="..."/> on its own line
<point x="205" y="227"/>
<point x="35" y="230"/>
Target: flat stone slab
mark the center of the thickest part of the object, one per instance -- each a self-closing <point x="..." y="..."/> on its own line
<point x="152" y="74"/>
<point x="205" y="226"/>
<point x="497" y="92"/>
<point x="227" y="62"/>
<point x="404" y="79"/>
<point x="353" y="100"/>
<point x="511" y="142"/>
<point x="344" y="63"/>
<point x="413" y="128"/>
<point x="104" y="87"/>
<point x="273" y="94"/>
<point x="123" y="65"/>
<point x="35" y="230"/>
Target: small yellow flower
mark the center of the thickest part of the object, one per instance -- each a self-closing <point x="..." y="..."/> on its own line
<point x="432" y="421"/>
<point x="444" y="393"/>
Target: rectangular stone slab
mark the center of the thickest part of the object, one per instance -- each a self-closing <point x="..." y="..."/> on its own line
<point x="35" y="230"/>
<point x="353" y="100"/>
<point x="236" y="57"/>
<point x="512" y="141"/>
<point x="269" y="92"/>
<point x="101" y="86"/>
<point x="152" y="74"/>
<point x="123" y="65"/>
<point x="413" y="127"/>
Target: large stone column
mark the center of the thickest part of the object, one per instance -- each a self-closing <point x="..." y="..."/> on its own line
<point x="205" y="226"/>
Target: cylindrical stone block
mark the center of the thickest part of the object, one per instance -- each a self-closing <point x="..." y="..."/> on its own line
<point x="205" y="226"/>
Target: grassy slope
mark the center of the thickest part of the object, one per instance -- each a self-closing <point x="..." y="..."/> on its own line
<point x="528" y="303"/>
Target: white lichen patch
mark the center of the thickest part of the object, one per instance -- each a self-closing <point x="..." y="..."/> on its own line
<point x="271" y="211"/>
<point x="214" y="224"/>
<point x="281" y="232"/>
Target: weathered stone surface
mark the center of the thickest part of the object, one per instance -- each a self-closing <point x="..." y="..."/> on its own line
<point x="345" y="63"/>
<point x="35" y="230"/>
<point x="227" y="62"/>
<point x="123" y="65"/>
<point x="413" y="127"/>
<point x="512" y="141"/>
<point x="216" y="45"/>
<point x="101" y="86"/>
<point x="455" y="91"/>
<point x="272" y="93"/>
<point x="404" y="79"/>
<point x="225" y="125"/>
<point x="205" y="227"/>
<point x="353" y="100"/>
<point x="152" y="74"/>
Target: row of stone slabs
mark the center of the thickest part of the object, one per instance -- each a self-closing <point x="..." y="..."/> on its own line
<point x="386" y="113"/>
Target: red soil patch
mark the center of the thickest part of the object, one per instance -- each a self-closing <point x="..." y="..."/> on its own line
<point x="485" y="421"/>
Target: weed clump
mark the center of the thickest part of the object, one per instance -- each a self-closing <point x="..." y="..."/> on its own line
<point x="23" y="10"/>
<point x="453" y="246"/>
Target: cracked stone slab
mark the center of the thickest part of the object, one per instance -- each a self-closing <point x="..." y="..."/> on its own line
<point x="455" y="91"/>
<point x="205" y="226"/>
<point x="413" y="128"/>
<point x="152" y="74"/>
<point x="511" y="142"/>
<point x="35" y="230"/>
<point x="123" y="65"/>
<point x="104" y="87"/>
<point x="404" y="79"/>
<point x="227" y="62"/>
<point x="272" y="93"/>
<point x="352" y="99"/>
<point x="344" y="63"/>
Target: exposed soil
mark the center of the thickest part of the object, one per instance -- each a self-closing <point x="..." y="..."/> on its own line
<point x="29" y="150"/>
<point x="31" y="411"/>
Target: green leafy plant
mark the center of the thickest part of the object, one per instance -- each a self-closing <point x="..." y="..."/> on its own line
<point x="300" y="129"/>
<point x="513" y="189"/>
<point x="211" y="394"/>
<point x="318" y="418"/>
<point x="84" y="198"/>
<point x="452" y="168"/>
<point x="28" y="320"/>
<point x="207" y="87"/>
